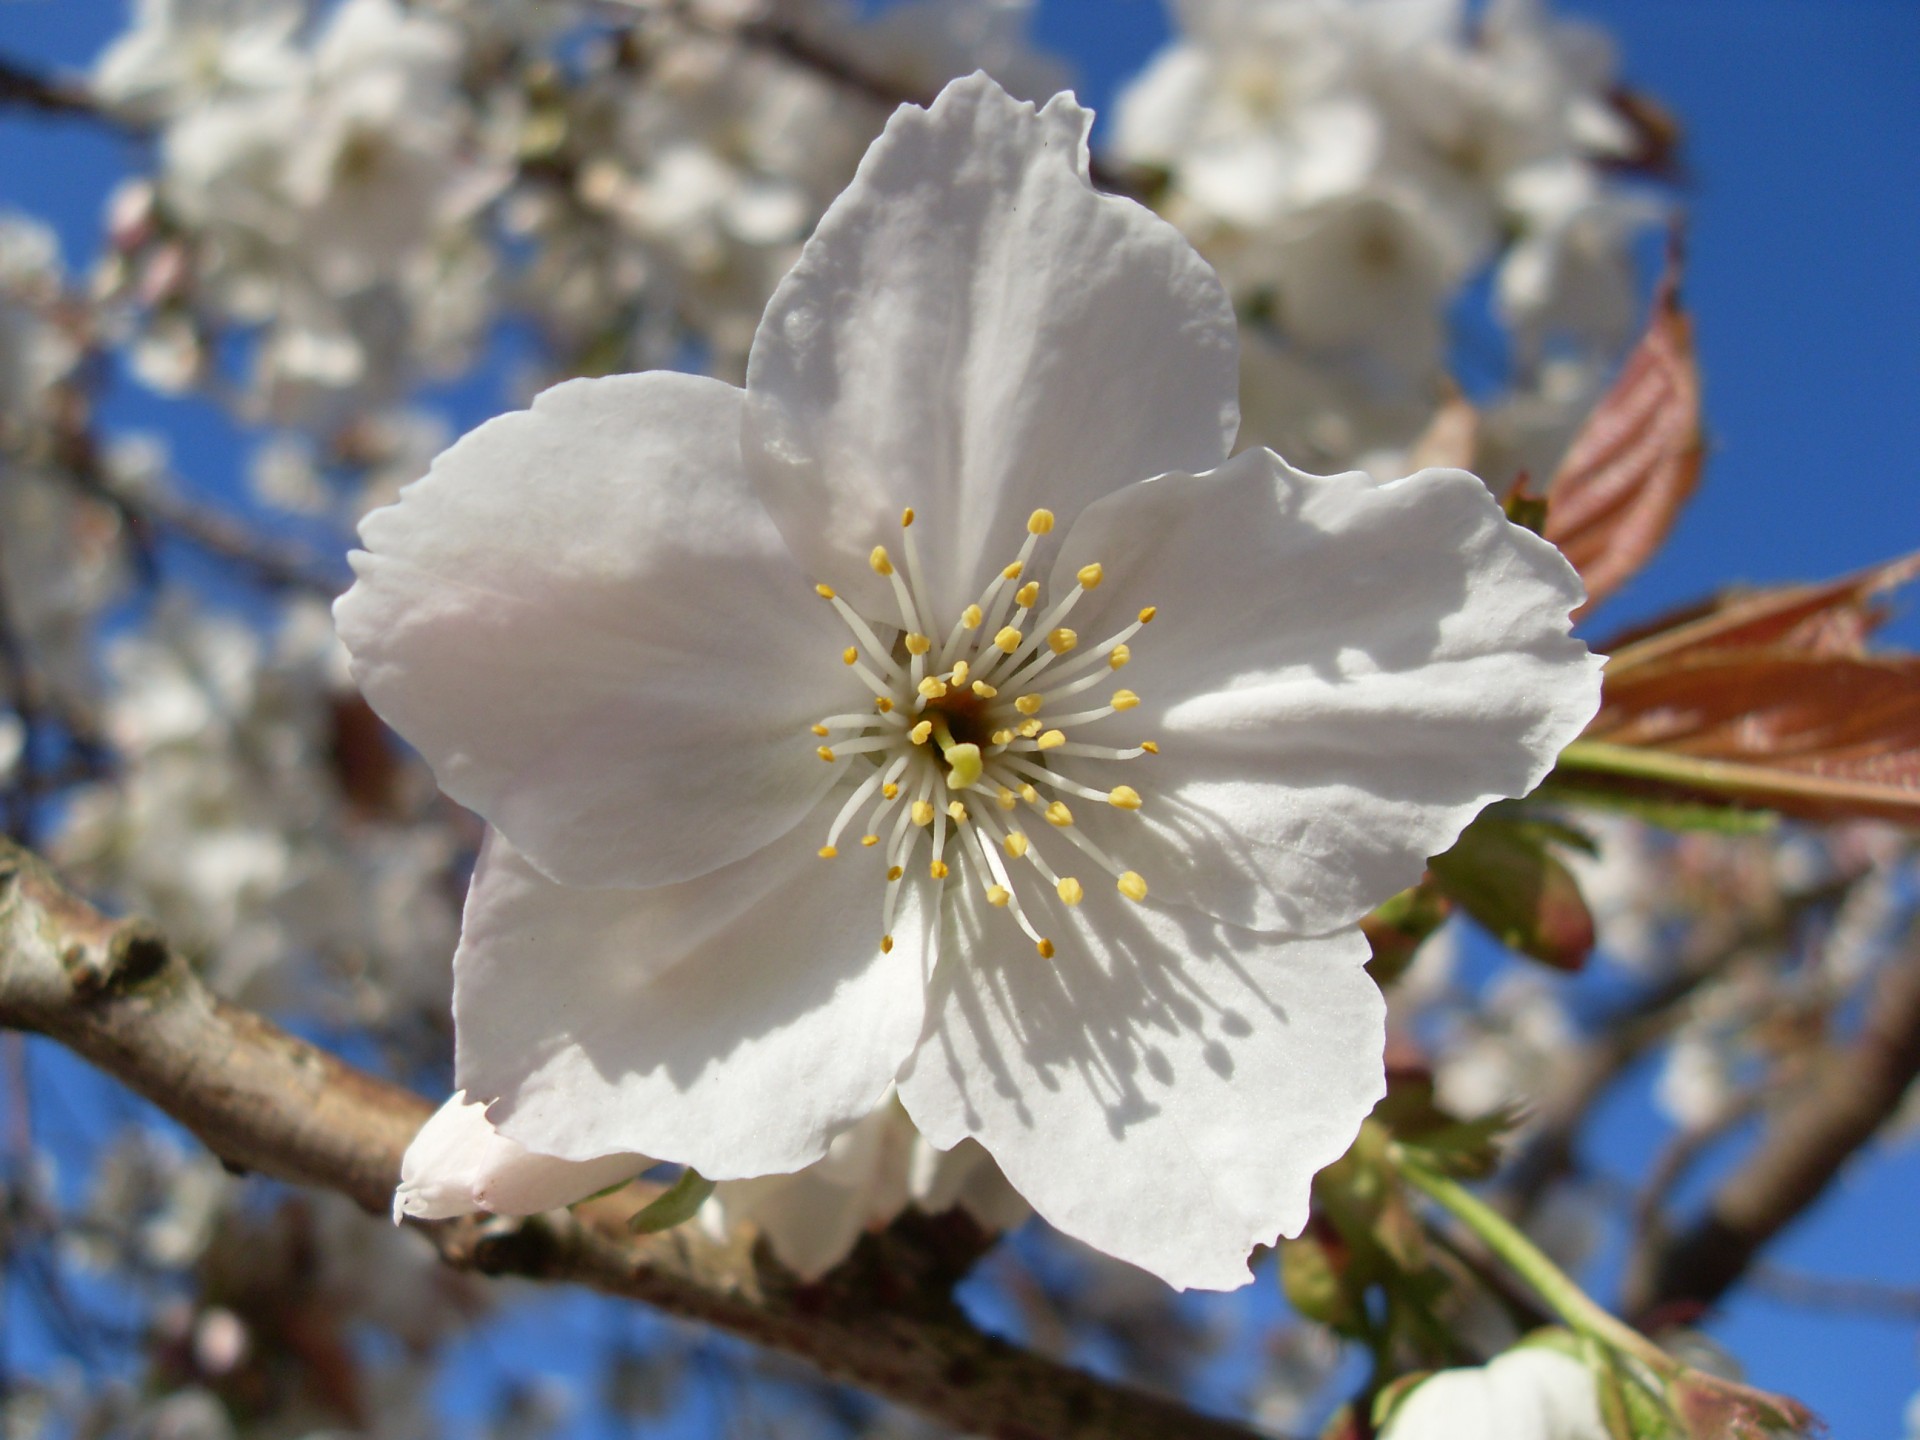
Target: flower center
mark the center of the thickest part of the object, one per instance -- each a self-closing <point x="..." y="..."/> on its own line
<point x="956" y="752"/>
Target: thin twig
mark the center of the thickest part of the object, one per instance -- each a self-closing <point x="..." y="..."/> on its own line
<point x="1849" y="1097"/>
<point x="22" y="86"/>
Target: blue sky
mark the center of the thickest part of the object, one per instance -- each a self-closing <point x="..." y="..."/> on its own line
<point x="1803" y="125"/>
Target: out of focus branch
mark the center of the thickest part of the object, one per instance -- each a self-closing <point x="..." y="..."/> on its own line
<point x="796" y="46"/>
<point x="1849" y="1097"/>
<point x="21" y="86"/>
<point x="116" y="994"/>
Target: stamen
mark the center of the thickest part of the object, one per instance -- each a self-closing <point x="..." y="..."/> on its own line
<point x="1040" y="522"/>
<point x="1051" y="740"/>
<point x="984" y="690"/>
<point x="1132" y="886"/>
<point x="1008" y="639"/>
<point x="1090" y="576"/>
<point x="1070" y="891"/>
<point x="1029" y="704"/>
<point x="1061" y="640"/>
<point x="1059" y="815"/>
<point x="1124" y="797"/>
<point x="827" y="852"/>
<point x="882" y="565"/>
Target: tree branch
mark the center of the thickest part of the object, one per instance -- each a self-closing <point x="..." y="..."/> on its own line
<point x="1853" y="1093"/>
<point x="22" y="86"/>
<point x="114" y="993"/>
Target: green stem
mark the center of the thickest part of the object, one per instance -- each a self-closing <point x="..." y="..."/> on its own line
<point x="1548" y="1280"/>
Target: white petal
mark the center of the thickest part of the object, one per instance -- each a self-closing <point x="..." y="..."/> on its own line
<point x="1163" y="1088"/>
<point x="1532" y="1393"/>
<point x="735" y="1023"/>
<point x="585" y="621"/>
<point x="975" y="332"/>
<point x="459" y="1163"/>
<point x="815" y="1218"/>
<point x="1341" y="675"/>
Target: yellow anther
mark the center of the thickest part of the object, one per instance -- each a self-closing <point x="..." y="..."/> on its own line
<point x="886" y="944"/>
<point x="827" y="852"/>
<point x="919" y="733"/>
<point x="1132" y="886"/>
<point x="1152" y="747"/>
<point x="1007" y="798"/>
<point x="890" y="790"/>
<point x="957" y="811"/>
<point x="1001" y="737"/>
<point x="971" y="617"/>
<point x="1062" y="640"/>
<point x="1029" y="704"/>
<point x="960" y="672"/>
<point x="1027" y="594"/>
<point x="998" y="895"/>
<point x="1027" y="729"/>
<point x="1012" y="572"/>
<point x="937" y="869"/>
<point x="894" y="872"/>
<point x="906" y="517"/>
<point x="1146" y="615"/>
<point x="984" y="690"/>
<point x="869" y="840"/>
<point x="880" y="562"/>
<point x="1058" y="814"/>
<point x="1052" y="739"/>
<point x="850" y="655"/>
<point x="1015" y="844"/>
<point x="883" y="703"/>
<point x="932" y="688"/>
<point x="1090" y="576"/>
<point x="825" y="592"/>
<point x="923" y="812"/>
<point x="917" y="644"/>
<point x="825" y="752"/>
<point x="1008" y="639"/>
<point x="1029" y="794"/>
<point x="1040" y="522"/>
<point x="1045" y="947"/>
<point x="1124" y="797"/>
<point x="821" y="730"/>
<point x="1069" y="890"/>
<point x="1125" y="700"/>
<point x="1119" y="657"/>
<point x="964" y="767"/>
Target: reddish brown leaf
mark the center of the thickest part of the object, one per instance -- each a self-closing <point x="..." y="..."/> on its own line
<point x="1818" y="735"/>
<point x="1834" y="618"/>
<point x="1636" y="460"/>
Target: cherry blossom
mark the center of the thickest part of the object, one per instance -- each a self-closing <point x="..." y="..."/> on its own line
<point x="800" y="719"/>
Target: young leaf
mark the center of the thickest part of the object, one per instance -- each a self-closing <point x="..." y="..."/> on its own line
<point x="673" y="1206"/>
<point x="1501" y="872"/>
<point x="1635" y="462"/>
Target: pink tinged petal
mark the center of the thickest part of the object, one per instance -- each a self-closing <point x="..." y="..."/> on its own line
<point x="735" y="1023"/>
<point x="975" y="332"/>
<point x="586" y="622"/>
<point x="1163" y="1088"/>
<point x="459" y="1163"/>
<point x="1340" y="676"/>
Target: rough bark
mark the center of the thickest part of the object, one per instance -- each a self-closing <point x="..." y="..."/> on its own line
<point x="263" y="1100"/>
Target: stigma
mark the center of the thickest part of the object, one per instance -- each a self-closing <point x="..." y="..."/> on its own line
<point x="947" y="748"/>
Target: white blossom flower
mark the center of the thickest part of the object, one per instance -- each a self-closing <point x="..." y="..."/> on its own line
<point x="1531" y="1393"/>
<point x="871" y="1173"/>
<point x="1105" y="930"/>
<point x="459" y="1163"/>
